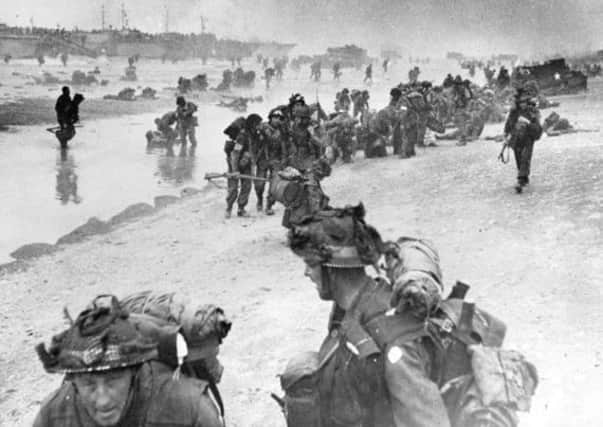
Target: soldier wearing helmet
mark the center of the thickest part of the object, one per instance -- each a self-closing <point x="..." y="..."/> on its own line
<point x="360" y="379"/>
<point x="303" y="148"/>
<point x="187" y="121"/>
<point x="522" y="130"/>
<point x="400" y="355"/>
<point x="240" y="160"/>
<point x="113" y="377"/>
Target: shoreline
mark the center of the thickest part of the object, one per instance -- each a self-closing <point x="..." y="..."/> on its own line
<point x="244" y="266"/>
<point x="29" y="252"/>
<point x="33" y="111"/>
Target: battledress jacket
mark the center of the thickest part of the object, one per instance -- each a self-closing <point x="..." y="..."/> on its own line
<point x="157" y="400"/>
<point x="363" y="383"/>
<point x="533" y="131"/>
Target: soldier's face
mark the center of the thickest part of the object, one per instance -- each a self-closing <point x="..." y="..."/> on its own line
<point x="315" y="274"/>
<point x="105" y="395"/>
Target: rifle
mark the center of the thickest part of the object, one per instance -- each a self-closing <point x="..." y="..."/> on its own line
<point x="214" y="175"/>
<point x="506" y="147"/>
<point x="57" y="128"/>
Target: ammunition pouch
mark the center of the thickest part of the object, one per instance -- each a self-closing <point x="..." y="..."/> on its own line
<point x="245" y="161"/>
<point x="286" y="221"/>
<point x="228" y="146"/>
<point x="300" y="383"/>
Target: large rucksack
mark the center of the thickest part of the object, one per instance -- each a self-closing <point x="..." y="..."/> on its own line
<point x="163" y="317"/>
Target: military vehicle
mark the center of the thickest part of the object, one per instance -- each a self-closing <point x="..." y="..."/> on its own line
<point x="554" y="77"/>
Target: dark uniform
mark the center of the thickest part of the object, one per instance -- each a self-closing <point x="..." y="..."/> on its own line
<point x="187" y="121"/>
<point x="156" y="400"/>
<point x="239" y="160"/>
<point x="411" y="123"/>
<point x="116" y="363"/>
<point x="522" y="129"/>
<point x="461" y="96"/>
<point x="302" y="149"/>
<point x="368" y="74"/>
<point x="380" y="366"/>
<point x="165" y="123"/>
<point x="311" y="198"/>
<point x="270" y="153"/>
<point x="61" y="106"/>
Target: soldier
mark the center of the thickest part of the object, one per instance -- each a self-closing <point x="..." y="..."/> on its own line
<point x="461" y="96"/>
<point x="315" y="71"/>
<point x="368" y="74"/>
<point x="360" y="102"/>
<point x="489" y="75"/>
<point x="448" y="81"/>
<point x="269" y="150"/>
<point x="503" y="79"/>
<point x="336" y="71"/>
<point x="240" y="161"/>
<point x="113" y="377"/>
<point x="268" y="75"/>
<point x="424" y="109"/>
<point x="61" y="105"/>
<point x="392" y="357"/>
<point x="303" y="149"/>
<point x="359" y="381"/>
<point x="411" y="123"/>
<point x="279" y="66"/>
<point x="385" y="65"/>
<point x="522" y="129"/>
<point x="343" y="100"/>
<point x="340" y="128"/>
<point x="413" y="75"/>
<point x="311" y="198"/>
<point x="164" y="125"/>
<point x="186" y="121"/>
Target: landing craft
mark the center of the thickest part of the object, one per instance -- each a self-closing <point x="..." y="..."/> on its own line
<point x="554" y="77"/>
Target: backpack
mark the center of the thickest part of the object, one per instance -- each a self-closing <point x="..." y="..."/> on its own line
<point x="163" y="317"/>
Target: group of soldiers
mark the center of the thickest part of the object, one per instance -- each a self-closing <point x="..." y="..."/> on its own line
<point x="176" y="125"/>
<point x="284" y="147"/>
<point x="298" y="136"/>
<point x="397" y="351"/>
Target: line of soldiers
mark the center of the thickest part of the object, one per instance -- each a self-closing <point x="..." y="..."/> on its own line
<point x="397" y="352"/>
<point x="297" y="135"/>
<point x="261" y="150"/>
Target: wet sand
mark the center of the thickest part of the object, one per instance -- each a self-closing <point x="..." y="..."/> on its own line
<point x="533" y="260"/>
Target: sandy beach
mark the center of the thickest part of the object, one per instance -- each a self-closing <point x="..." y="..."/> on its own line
<point x="534" y="260"/>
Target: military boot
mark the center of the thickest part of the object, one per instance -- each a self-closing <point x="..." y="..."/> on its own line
<point x="260" y="205"/>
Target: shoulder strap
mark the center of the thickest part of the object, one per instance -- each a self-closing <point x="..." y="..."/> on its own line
<point x="387" y="327"/>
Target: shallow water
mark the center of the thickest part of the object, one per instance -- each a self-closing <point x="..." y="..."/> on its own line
<point x="47" y="193"/>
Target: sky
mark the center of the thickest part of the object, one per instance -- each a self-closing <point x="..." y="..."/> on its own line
<point x="419" y="27"/>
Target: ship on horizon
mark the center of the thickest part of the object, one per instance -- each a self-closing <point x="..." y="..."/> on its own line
<point x="33" y="42"/>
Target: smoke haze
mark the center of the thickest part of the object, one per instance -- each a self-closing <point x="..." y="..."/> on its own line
<point x="420" y="27"/>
